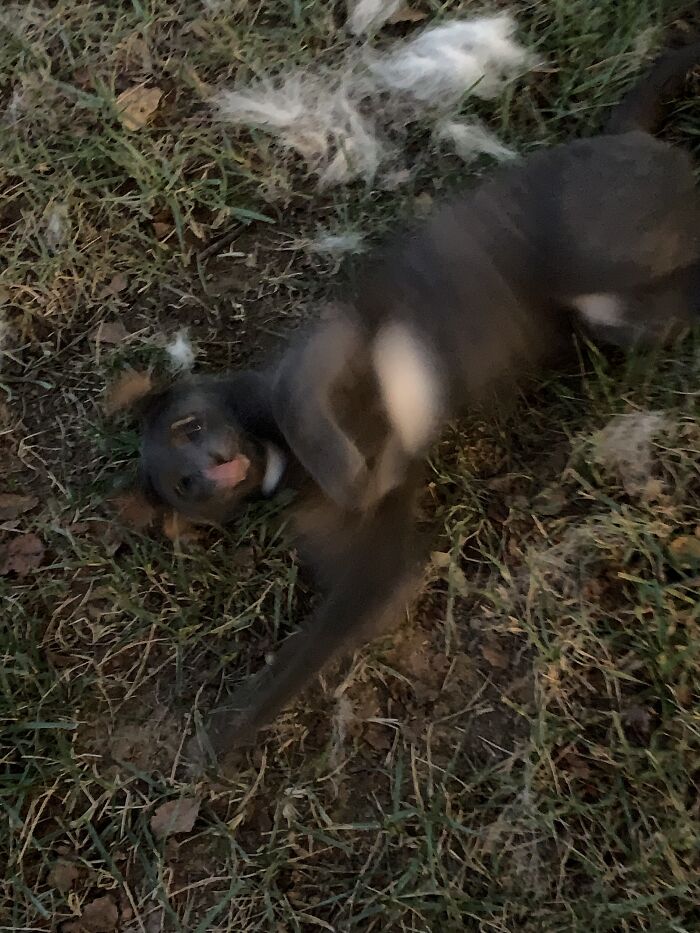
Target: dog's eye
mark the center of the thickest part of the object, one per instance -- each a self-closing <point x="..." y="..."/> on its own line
<point x="193" y="429"/>
<point x="187" y="428"/>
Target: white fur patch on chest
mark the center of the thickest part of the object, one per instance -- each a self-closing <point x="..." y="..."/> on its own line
<point x="274" y="468"/>
<point x="603" y="308"/>
<point x="411" y="387"/>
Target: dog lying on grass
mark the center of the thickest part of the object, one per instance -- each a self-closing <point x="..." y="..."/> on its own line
<point x="599" y="234"/>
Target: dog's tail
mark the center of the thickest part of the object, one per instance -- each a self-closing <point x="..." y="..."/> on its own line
<point x="644" y="107"/>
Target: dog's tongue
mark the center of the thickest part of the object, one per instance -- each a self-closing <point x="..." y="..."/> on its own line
<point x="231" y="473"/>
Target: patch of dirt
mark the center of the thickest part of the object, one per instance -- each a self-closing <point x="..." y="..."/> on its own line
<point x="254" y="289"/>
<point x="410" y="688"/>
<point x="22" y="554"/>
<point x="145" y="734"/>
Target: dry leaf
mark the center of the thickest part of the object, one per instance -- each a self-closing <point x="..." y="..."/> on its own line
<point x="59" y="660"/>
<point x="111" y="332"/>
<point x="137" y="105"/>
<point x="22" y="555"/>
<point x="638" y="718"/>
<point x="155" y="921"/>
<point x="243" y="558"/>
<point x="552" y="501"/>
<point x="684" y="695"/>
<point x="495" y="657"/>
<point x="83" y="78"/>
<point x="176" y="816"/>
<point x="577" y="766"/>
<point x="378" y="737"/>
<point x="99" y="916"/>
<point x="162" y="230"/>
<point x="134" y="510"/>
<point x="521" y="689"/>
<point x="116" y="284"/>
<point x="686" y="550"/>
<point x="106" y="532"/>
<point x="63" y="876"/>
<point x="405" y="14"/>
<point x="128" y="389"/>
<point x="199" y="28"/>
<point x="13" y="505"/>
<point x="444" y="563"/>
<point x="441" y="559"/>
<point x="502" y="483"/>
<point x="178" y="528"/>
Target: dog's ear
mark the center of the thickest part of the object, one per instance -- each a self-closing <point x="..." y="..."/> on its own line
<point x="303" y="410"/>
<point x="136" y="504"/>
<point x="134" y="392"/>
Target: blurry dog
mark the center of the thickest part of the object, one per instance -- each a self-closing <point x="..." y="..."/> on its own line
<point x="602" y="233"/>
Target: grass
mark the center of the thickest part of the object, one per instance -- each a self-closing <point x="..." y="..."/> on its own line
<point x="524" y="756"/>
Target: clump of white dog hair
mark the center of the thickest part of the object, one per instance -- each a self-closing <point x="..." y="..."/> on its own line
<point x="625" y="446"/>
<point x="336" y="244"/>
<point x="348" y="122"/>
<point x="366" y="15"/>
<point x="217" y="6"/>
<point x="444" y="62"/>
<point x="16" y="106"/>
<point x="342" y="720"/>
<point x="471" y="140"/>
<point x="181" y="352"/>
<point x="56" y="226"/>
<point x="316" y="116"/>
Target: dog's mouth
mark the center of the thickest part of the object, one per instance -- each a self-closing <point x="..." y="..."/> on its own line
<point x="230" y="473"/>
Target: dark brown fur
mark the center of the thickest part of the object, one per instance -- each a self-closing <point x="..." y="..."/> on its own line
<point x="489" y="285"/>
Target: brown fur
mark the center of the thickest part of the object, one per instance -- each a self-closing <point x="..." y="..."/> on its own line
<point x="491" y="286"/>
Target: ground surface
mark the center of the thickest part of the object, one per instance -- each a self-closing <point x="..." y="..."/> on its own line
<point x="525" y="754"/>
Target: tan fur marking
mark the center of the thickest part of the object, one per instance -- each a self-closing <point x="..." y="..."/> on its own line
<point x="410" y="385"/>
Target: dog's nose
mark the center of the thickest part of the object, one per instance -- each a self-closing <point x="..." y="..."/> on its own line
<point x="193" y="487"/>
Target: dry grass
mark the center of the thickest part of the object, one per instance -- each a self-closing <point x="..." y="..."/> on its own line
<point x="524" y="756"/>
